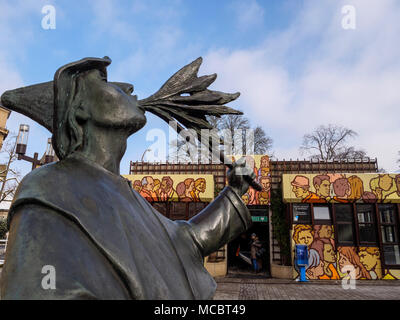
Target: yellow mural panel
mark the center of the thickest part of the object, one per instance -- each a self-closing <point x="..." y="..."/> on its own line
<point x="341" y="188"/>
<point x="261" y="167"/>
<point x="174" y="187"/>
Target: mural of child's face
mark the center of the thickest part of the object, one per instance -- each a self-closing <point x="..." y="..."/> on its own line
<point x="329" y="253"/>
<point x="305" y="237"/>
<point x="245" y="198"/>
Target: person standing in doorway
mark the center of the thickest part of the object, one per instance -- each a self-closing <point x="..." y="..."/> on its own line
<point x="255" y="247"/>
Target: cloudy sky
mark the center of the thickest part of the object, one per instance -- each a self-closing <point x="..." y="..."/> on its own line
<point x="294" y="63"/>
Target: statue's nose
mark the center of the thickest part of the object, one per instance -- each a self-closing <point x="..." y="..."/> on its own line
<point x="126" y="87"/>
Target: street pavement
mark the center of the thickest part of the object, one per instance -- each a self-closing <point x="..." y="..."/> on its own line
<point x="253" y="287"/>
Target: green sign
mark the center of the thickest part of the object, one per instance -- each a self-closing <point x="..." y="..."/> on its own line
<point x="259" y="219"/>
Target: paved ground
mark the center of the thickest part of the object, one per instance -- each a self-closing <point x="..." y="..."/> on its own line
<point x="252" y="288"/>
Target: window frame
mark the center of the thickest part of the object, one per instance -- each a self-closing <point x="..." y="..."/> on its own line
<point x="309" y="212"/>
<point x="322" y="221"/>
<point x="396" y="225"/>
<point x="355" y="241"/>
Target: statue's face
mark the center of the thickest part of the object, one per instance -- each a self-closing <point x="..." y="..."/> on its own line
<point x="110" y="106"/>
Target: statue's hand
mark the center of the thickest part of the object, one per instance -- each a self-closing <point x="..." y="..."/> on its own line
<point x="239" y="176"/>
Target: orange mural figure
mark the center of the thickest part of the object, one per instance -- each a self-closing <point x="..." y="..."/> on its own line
<point x="167" y="192"/>
<point x="348" y="257"/>
<point x="370" y="257"/>
<point x="147" y="189"/>
<point x="199" y="187"/>
<point x="301" y="189"/>
<point x="322" y="187"/>
<point x="397" y="184"/>
<point x="342" y="189"/>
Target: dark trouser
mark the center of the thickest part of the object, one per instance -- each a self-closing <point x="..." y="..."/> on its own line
<point x="255" y="264"/>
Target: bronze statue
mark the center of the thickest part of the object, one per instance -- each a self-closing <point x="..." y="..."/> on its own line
<point x="82" y="218"/>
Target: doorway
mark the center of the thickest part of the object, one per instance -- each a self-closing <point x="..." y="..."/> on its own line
<point x="239" y="259"/>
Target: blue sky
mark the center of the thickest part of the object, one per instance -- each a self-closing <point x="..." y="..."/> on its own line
<point x="294" y="64"/>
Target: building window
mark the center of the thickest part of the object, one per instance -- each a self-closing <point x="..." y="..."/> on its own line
<point x="345" y="224"/>
<point x="301" y="213"/>
<point x="322" y="214"/>
<point x="389" y="233"/>
<point x="196" y="207"/>
<point x="366" y="223"/>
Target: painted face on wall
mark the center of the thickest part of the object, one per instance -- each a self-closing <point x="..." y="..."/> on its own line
<point x="305" y="237"/>
<point x="315" y="272"/>
<point x="343" y="261"/>
<point x="325" y="232"/>
<point x="368" y="260"/>
<point x="300" y="192"/>
<point x="150" y="184"/>
<point x="398" y="184"/>
<point x="324" y="189"/>
<point x="329" y="253"/>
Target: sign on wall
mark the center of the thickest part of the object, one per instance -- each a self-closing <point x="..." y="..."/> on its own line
<point x="174" y="187"/>
<point x="341" y="188"/>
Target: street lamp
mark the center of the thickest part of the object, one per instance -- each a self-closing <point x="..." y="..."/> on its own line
<point x="144" y="154"/>
<point x="49" y="155"/>
<point x="20" y="149"/>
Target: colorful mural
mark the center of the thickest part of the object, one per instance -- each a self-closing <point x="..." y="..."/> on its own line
<point x="328" y="262"/>
<point x="341" y="188"/>
<point x="261" y="167"/>
<point x="178" y="187"/>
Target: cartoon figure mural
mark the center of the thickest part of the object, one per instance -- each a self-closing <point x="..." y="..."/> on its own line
<point x="199" y="187"/>
<point x="370" y="257"/>
<point x="167" y="192"/>
<point x="341" y="188"/>
<point x="347" y="256"/>
<point x="178" y="187"/>
<point x="261" y="167"/>
<point x="322" y="187"/>
<point x="147" y="189"/>
<point x="326" y="261"/>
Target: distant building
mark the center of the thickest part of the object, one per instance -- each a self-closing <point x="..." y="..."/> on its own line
<point x="4" y="114"/>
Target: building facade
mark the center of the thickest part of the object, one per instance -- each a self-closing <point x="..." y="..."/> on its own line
<point x="349" y="222"/>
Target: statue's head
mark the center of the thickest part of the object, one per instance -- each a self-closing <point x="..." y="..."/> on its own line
<point x="84" y="100"/>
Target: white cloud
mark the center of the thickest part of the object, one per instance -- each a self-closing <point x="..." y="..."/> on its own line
<point x="249" y="14"/>
<point x="315" y="72"/>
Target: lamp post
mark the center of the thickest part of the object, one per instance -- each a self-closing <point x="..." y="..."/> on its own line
<point x="22" y="142"/>
<point x="144" y="154"/>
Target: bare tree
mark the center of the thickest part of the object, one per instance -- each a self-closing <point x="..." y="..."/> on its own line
<point x="331" y="142"/>
<point x="262" y="143"/>
<point x="10" y="177"/>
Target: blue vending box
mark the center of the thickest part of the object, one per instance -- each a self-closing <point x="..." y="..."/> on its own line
<point x="302" y="260"/>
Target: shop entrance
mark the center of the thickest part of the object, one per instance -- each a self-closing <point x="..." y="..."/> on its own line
<point x="239" y="250"/>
